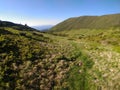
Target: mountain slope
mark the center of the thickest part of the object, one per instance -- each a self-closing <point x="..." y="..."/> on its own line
<point x="89" y="22"/>
<point x="82" y="60"/>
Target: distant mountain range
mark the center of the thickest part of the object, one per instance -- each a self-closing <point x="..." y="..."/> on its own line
<point x="89" y="22"/>
<point x="82" y="22"/>
<point x="43" y="27"/>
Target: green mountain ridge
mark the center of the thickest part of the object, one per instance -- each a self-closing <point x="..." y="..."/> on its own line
<point x="89" y="22"/>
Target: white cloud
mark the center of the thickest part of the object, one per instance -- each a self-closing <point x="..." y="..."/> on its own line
<point x="30" y="22"/>
<point x="40" y="22"/>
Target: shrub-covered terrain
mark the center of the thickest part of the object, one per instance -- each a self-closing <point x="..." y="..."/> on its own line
<point x="31" y="60"/>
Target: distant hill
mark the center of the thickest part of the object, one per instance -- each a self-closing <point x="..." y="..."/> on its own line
<point x="43" y="27"/>
<point x="89" y="22"/>
<point x="15" y="26"/>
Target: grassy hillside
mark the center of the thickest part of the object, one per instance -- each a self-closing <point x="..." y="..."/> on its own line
<point x="89" y="22"/>
<point x="102" y="47"/>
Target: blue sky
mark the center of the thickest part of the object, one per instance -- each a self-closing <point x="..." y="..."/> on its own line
<point x="51" y="12"/>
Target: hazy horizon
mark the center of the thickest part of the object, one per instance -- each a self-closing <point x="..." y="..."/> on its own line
<point x="51" y="12"/>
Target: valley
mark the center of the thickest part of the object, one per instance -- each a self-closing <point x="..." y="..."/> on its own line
<point x="73" y="59"/>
